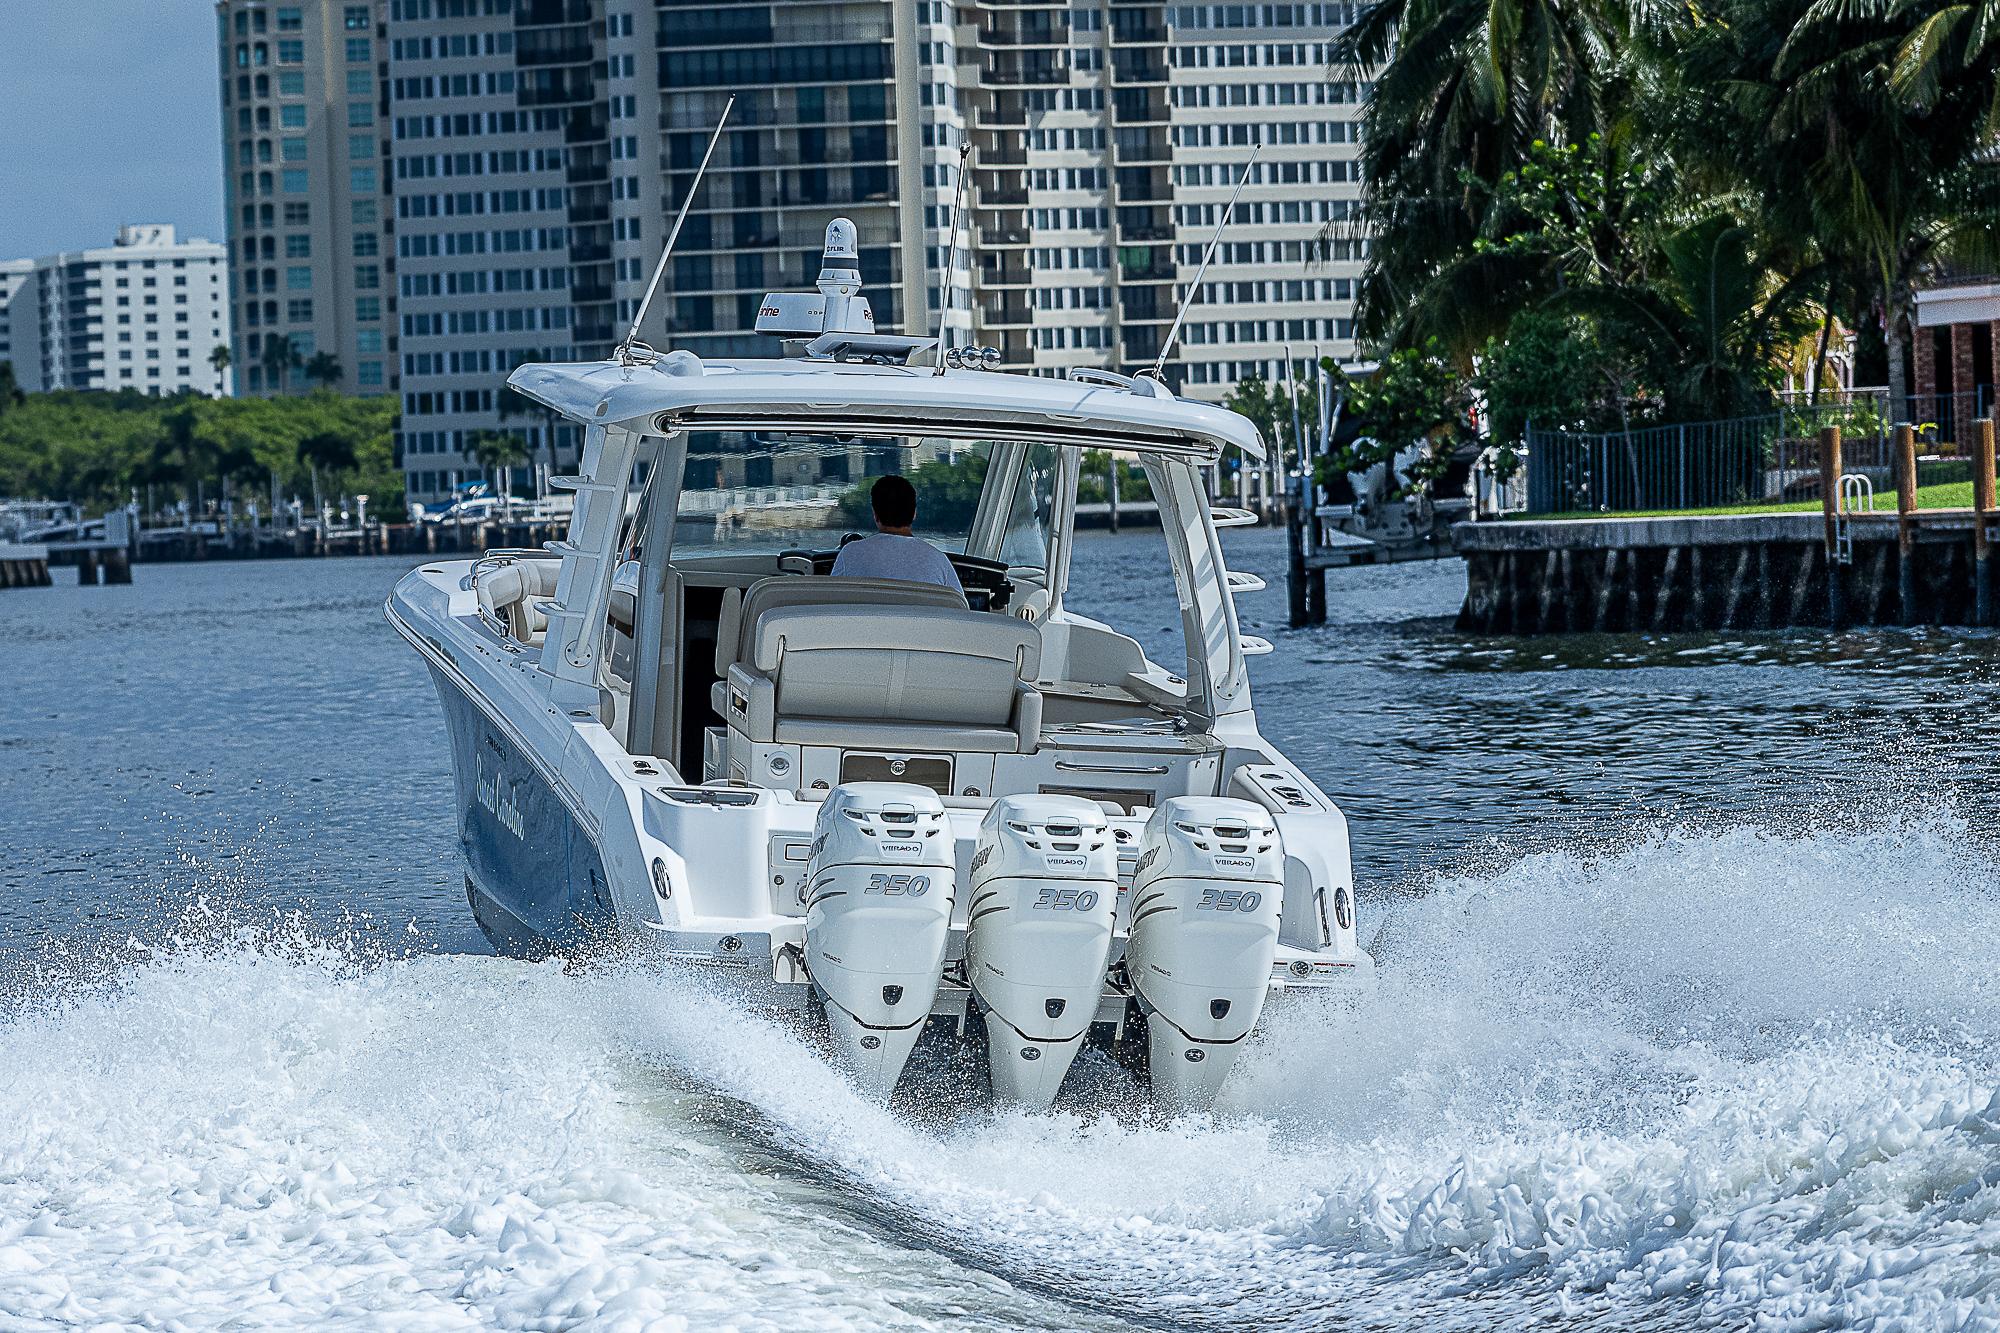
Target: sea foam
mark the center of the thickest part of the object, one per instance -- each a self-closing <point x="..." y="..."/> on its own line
<point x="1711" y="1079"/>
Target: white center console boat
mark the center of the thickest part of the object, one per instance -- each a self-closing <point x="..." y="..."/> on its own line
<point x="902" y="806"/>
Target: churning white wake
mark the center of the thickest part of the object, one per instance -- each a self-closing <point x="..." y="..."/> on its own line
<point x="1716" y="1079"/>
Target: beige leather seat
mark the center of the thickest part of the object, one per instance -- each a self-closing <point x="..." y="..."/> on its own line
<point x="514" y="593"/>
<point x="907" y="678"/>
<point x="741" y="610"/>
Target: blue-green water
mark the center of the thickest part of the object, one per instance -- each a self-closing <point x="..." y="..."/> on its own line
<point x="1689" y="951"/>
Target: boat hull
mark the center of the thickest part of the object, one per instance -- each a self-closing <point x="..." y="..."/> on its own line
<point x="534" y="876"/>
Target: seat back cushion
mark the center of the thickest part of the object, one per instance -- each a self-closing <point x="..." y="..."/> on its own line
<point x="913" y="664"/>
<point x="733" y="642"/>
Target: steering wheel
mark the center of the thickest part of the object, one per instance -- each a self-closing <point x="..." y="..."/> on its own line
<point x="987" y="587"/>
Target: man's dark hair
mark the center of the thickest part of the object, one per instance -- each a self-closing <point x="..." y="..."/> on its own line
<point x="894" y="501"/>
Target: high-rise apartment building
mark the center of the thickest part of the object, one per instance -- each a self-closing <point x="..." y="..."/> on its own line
<point x="1110" y="136"/>
<point x="306" y="190"/>
<point x="17" y="278"/>
<point x="146" y="312"/>
<point x="501" y="157"/>
<point x="541" y="150"/>
<point x="535" y="153"/>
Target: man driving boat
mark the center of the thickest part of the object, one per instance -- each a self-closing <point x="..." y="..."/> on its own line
<point x="894" y="552"/>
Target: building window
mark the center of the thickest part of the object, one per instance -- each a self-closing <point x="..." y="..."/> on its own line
<point x="360" y="147"/>
<point x="360" y="83"/>
<point x="366" y="244"/>
<point x="364" y="212"/>
<point x="355" y="17"/>
<point x="292" y="117"/>
<point x="298" y="215"/>
<point x="368" y="340"/>
<point x="291" y="83"/>
<point x="298" y="247"/>
<point x="291" y="53"/>
<point x="367" y="276"/>
<point x="299" y="277"/>
<point x="299" y="311"/>
<point x="295" y="180"/>
<point x="294" y="150"/>
<point x="360" y="114"/>
<point x="290" y="20"/>
<point x="359" y="50"/>
<point x="368" y="307"/>
<point x="361" y="180"/>
<point x="368" y="375"/>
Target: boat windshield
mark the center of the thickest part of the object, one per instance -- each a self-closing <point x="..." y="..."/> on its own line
<point x="755" y="494"/>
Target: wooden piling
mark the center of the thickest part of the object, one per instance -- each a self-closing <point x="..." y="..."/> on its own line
<point x="1829" y="494"/>
<point x="1982" y="511"/>
<point x="1295" y="568"/>
<point x="1906" y="524"/>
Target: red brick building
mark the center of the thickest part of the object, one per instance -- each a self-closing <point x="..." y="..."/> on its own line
<point x="1955" y="335"/>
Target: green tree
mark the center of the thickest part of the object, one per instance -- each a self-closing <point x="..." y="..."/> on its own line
<point x="324" y="369"/>
<point x="497" y="452"/>
<point x="330" y="449"/>
<point x="1415" y="398"/>
<point x="1894" y="184"/>
<point x="219" y="357"/>
<point x="1461" y="89"/>
<point x="280" y="358"/>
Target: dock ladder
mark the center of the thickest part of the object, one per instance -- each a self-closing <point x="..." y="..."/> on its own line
<point x="1857" y="491"/>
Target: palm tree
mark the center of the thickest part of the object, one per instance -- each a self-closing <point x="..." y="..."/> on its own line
<point x="496" y="451"/>
<point x="280" y="358"/>
<point x="325" y="449"/>
<point x="324" y="369"/>
<point x="1462" y="89"/>
<point x="1892" y="184"/>
<point x="10" y="388"/>
<point x="1945" y="43"/>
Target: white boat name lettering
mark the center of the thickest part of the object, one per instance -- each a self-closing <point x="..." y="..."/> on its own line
<point x="502" y="807"/>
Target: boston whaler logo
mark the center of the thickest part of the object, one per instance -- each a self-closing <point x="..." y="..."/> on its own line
<point x="502" y="807"/>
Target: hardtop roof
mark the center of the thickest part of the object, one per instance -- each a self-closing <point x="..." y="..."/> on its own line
<point x="682" y="391"/>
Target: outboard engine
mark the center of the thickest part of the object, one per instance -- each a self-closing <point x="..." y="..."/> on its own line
<point x="1203" y="931"/>
<point x="878" y="906"/>
<point x="1043" y="897"/>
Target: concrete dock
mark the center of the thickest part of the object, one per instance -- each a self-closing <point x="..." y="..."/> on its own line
<point x="23" y="566"/>
<point x="1755" y="571"/>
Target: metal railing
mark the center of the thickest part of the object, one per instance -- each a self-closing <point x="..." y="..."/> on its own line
<point x="1769" y="458"/>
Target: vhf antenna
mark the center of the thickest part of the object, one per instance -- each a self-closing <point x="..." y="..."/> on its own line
<point x="632" y="352"/>
<point x="951" y="251"/>
<point x="1167" y="347"/>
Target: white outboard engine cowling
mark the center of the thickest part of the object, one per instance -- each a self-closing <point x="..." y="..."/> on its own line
<point x="1040" y="909"/>
<point x="878" y="907"/>
<point x="1202" y="934"/>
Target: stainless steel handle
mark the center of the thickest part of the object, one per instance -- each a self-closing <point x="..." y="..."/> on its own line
<point x="1154" y="769"/>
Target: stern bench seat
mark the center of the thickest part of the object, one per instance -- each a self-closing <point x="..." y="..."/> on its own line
<point x="882" y="677"/>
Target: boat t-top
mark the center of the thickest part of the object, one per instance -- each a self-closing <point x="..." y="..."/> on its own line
<point x="900" y="808"/>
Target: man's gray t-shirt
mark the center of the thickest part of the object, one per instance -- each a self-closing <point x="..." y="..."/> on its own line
<point x="888" y="556"/>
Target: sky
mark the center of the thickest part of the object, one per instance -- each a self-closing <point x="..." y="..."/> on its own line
<point x="108" y="114"/>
